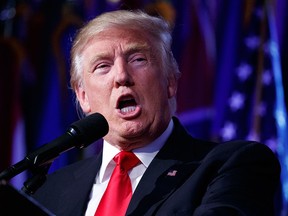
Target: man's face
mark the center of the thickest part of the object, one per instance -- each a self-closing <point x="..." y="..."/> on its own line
<point x="123" y="80"/>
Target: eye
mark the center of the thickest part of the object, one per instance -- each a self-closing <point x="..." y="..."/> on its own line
<point x="101" y="68"/>
<point x="138" y="59"/>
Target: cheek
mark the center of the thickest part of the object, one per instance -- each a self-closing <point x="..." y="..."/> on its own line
<point x="98" y="94"/>
<point x="156" y="90"/>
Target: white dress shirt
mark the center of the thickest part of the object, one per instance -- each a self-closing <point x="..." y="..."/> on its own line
<point x="145" y="155"/>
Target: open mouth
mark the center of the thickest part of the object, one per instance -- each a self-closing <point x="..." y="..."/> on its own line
<point x="127" y="105"/>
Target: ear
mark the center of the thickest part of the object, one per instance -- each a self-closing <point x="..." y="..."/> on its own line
<point x="83" y="99"/>
<point x="172" y="86"/>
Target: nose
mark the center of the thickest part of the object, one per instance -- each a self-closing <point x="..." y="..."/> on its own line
<point x="123" y="76"/>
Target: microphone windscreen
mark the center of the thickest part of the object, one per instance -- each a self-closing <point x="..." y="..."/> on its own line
<point x="90" y="128"/>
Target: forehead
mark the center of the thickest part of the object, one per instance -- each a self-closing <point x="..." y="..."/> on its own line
<point x="114" y="37"/>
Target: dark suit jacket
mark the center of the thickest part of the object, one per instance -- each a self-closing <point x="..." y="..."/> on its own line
<point x="187" y="177"/>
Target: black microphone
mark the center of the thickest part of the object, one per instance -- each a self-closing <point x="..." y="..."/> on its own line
<point x="80" y="134"/>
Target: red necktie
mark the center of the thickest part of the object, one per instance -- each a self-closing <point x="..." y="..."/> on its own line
<point x="117" y="196"/>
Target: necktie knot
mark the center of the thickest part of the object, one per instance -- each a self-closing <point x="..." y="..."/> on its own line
<point x="126" y="160"/>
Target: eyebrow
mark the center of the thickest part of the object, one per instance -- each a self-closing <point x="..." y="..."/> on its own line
<point x="136" y="47"/>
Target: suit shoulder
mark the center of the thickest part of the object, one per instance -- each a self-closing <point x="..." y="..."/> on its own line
<point x="244" y="152"/>
<point x="242" y="145"/>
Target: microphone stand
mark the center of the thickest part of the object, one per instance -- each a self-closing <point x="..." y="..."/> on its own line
<point x="38" y="178"/>
<point x="38" y="170"/>
<point x="37" y="165"/>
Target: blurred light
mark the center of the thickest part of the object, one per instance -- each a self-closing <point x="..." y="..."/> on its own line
<point x="7" y="14"/>
<point x="113" y="1"/>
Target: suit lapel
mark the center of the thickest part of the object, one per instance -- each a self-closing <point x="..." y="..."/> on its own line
<point x="168" y="170"/>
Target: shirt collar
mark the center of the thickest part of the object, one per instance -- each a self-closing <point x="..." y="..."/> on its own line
<point x="145" y="154"/>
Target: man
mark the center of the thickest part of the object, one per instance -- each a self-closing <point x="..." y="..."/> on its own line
<point x="123" y="68"/>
